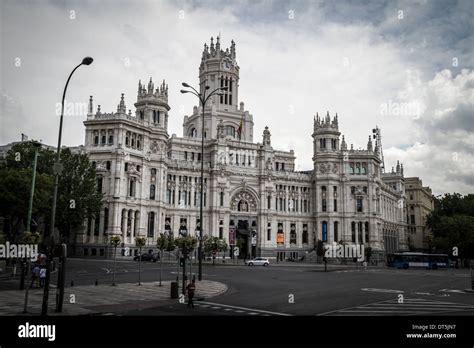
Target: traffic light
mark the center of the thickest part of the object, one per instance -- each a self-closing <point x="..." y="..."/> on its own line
<point x="181" y="262"/>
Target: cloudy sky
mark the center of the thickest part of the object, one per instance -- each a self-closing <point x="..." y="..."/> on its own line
<point x="406" y="66"/>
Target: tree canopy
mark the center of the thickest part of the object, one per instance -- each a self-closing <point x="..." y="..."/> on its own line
<point x="452" y="224"/>
<point x="78" y="197"/>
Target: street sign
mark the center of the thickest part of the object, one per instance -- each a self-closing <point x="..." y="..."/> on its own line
<point x="236" y="251"/>
<point x="58" y="168"/>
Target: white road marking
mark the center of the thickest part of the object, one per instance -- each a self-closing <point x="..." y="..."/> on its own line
<point x="408" y="307"/>
<point x="453" y="290"/>
<point x="382" y="290"/>
<point x="246" y="309"/>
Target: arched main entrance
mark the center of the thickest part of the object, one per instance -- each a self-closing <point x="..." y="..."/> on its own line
<point x="243" y="220"/>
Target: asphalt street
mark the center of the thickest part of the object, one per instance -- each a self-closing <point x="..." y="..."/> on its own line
<point x="295" y="289"/>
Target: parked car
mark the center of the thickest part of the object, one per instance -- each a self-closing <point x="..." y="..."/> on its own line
<point x="258" y="261"/>
<point x="147" y="257"/>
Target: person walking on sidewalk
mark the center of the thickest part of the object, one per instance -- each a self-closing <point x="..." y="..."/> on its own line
<point x="35" y="276"/>
<point x="42" y="276"/>
<point x="191" y="290"/>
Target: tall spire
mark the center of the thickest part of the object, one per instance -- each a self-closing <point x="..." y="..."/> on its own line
<point x="212" y="45"/>
<point x="343" y="144"/>
<point x="150" y="87"/>
<point x="121" y="107"/>
<point x="369" y="144"/>
<point x="90" y="110"/>
<point x="218" y="43"/>
<point x="232" y="49"/>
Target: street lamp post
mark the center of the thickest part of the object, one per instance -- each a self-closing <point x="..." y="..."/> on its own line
<point x="57" y="172"/>
<point x="203" y="98"/>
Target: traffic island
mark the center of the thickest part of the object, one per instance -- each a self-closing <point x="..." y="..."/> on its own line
<point x="91" y="299"/>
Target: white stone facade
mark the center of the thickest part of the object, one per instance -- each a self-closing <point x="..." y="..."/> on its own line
<point x="151" y="180"/>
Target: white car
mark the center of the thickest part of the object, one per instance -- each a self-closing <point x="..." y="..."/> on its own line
<point x="258" y="261"/>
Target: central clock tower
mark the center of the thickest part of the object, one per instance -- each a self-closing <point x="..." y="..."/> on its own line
<point x="219" y="69"/>
<point x="225" y="116"/>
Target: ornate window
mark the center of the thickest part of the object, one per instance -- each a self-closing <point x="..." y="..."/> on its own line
<point x="293" y="233"/>
<point x="152" y="192"/>
<point x="193" y="133"/>
<point x="151" y="224"/>
<point x="323" y="197"/>
<point x="304" y="236"/>
<point x="359" y="205"/>
<point x="230" y="130"/>
<point x="244" y="201"/>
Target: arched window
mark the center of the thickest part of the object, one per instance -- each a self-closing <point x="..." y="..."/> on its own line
<point x="127" y="139"/>
<point x="360" y="232"/>
<point x="96" y="140"/>
<point x="230" y="130"/>
<point x="336" y="231"/>
<point x="292" y="234"/>
<point x="304" y="236"/>
<point x="152" y="192"/>
<point x="193" y="133"/>
<point x="364" y="168"/>
<point x="358" y="167"/>
<point x="323" y="196"/>
<point x="351" y="168"/>
<point x="324" y="231"/>
<point x="353" y="230"/>
<point x="151" y="224"/>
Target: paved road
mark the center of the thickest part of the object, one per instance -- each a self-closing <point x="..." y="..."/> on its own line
<point x="299" y="289"/>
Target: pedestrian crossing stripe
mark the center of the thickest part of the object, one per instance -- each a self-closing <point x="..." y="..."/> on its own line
<point x="236" y="309"/>
<point x="413" y="306"/>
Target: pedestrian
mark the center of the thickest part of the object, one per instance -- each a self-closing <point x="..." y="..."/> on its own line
<point x="42" y="276"/>
<point x="191" y="290"/>
<point x="35" y="275"/>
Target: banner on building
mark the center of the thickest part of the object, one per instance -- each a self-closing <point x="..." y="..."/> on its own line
<point x="232" y="236"/>
<point x="254" y="237"/>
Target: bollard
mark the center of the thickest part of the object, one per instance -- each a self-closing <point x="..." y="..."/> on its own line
<point x="472" y="281"/>
<point x="174" y="290"/>
<point x="96" y="282"/>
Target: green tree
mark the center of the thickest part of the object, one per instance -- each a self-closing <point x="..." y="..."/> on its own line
<point x="214" y="245"/>
<point x="140" y="242"/>
<point x="171" y="245"/>
<point x="115" y="241"/>
<point x="320" y="251"/>
<point x="15" y="185"/>
<point x="162" y="244"/>
<point x="78" y="197"/>
<point x="452" y="224"/>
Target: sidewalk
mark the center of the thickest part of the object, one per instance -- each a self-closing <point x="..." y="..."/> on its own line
<point x="101" y="299"/>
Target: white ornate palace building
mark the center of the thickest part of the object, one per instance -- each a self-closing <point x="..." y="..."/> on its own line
<point x="253" y="197"/>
